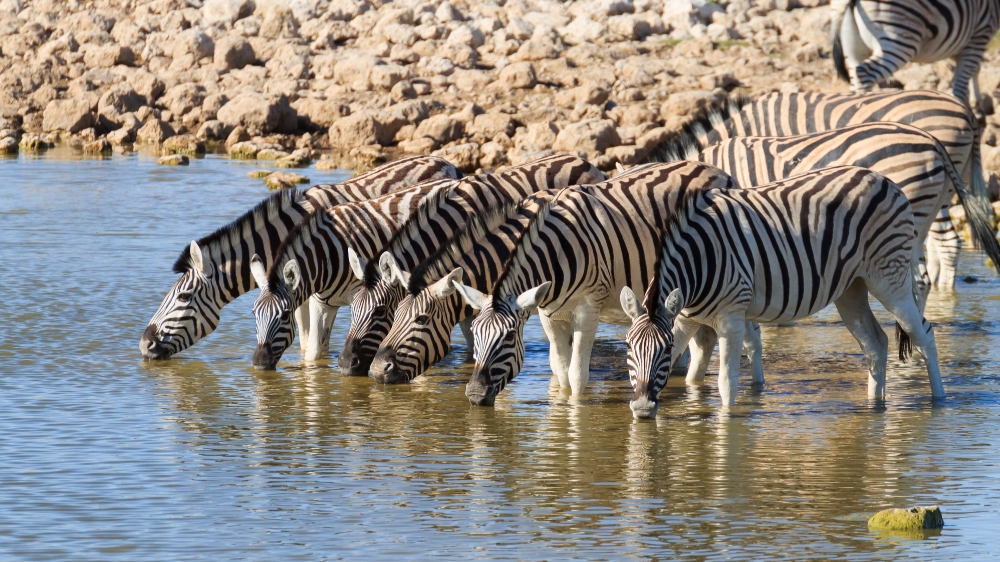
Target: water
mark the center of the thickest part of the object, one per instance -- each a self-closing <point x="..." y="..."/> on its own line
<point x="108" y="457"/>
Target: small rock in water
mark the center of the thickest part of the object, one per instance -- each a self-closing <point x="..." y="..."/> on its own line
<point x="970" y="278"/>
<point x="174" y="160"/>
<point x="98" y="146"/>
<point x="326" y="164"/>
<point x="283" y="180"/>
<point x="913" y="519"/>
<point x="257" y="174"/>
<point x="8" y="145"/>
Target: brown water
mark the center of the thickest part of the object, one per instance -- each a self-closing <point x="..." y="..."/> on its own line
<point x="108" y="457"/>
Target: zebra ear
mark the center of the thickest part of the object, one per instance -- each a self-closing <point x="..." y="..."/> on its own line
<point x="672" y="306"/>
<point x="357" y="262"/>
<point x="631" y="305"/>
<point x="391" y="273"/>
<point x="292" y="274"/>
<point x="199" y="260"/>
<point x="258" y="271"/>
<point x="475" y="299"/>
<point x="444" y="287"/>
<point x="530" y="299"/>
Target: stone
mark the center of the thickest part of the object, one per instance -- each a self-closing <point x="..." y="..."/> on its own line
<point x="440" y="128"/>
<point x="465" y="156"/>
<point x="466" y="35"/>
<point x="533" y="50"/>
<point x="540" y="136"/>
<point x="67" y="115"/>
<point x="146" y="84"/>
<point x="182" y="98"/>
<point x="421" y="145"/>
<point x="358" y="129"/>
<point x="627" y="155"/>
<point x="173" y="160"/>
<point x="184" y="144"/>
<point x="193" y="42"/>
<point x="446" y="12"/>
<point x="593" y="136"/>
<point x="8" y="145"/>
<point x="384" y="77"/>
<point x="327" y="164"/>
<point x="687" y="103"/>
<point x="629" y="27"/>
<point x="116" y="102"/>
<point x="121" y="136"/>
<point x="245" y="150"/>
<point x="470" y="80"/>
<point x="395" y="117"/>
<point x="233" y="52"/>
<point x="154" y="132"/>
<point x="108" y="56"/>
<point x="355" y="71"/>
<point x="99" y="146"/>
<point x="492" y="124"/>
<point x="33" y="143"/>
<point x="347" y="10"/>
<point x="270" y="154"/>
<point x="260" y="114"/>
<point x="258" y="174"/>
<point x="991" y="158"/>
<point x="226" y="12"/>
<point x="284" y="180"/>
<point x="367" y="157"/>
<point x="492" y="155"/>
<point x="297" y="159"/>
<point x="518" y="75"/>
<point x="583" y="29"/>
<point x="588" y="94"/>
<point x="212" y="130"/>
<point x="637" y="115"/>
<point x="912" y="519"/>
<point x="279" y="22"/>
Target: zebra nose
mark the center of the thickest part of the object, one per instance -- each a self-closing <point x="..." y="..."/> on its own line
<point x="386" y="370"/>
<point x="150" y="346"/>
<point x="263" y="358"/>
<point x="643" y="407"/>
<point x="478" y="390"/>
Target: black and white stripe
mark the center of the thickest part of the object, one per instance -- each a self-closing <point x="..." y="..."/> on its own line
<point x="777" y="253"/>
<point x="215" y="270"/>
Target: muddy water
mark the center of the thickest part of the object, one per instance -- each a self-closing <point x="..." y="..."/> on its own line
<point x="108" y="457"/>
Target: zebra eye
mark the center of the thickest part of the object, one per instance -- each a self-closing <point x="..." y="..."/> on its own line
<point x="509" y="337"/>
<point x="379" y="311"/>
<point x="183" y="297"/>
<point x="422" y="319"/>
<point x="286" y="314"/>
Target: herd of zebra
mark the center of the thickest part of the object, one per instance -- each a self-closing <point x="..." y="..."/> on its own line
<point x="760" y="211"/>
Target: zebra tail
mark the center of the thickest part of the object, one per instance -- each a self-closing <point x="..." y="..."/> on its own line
<point x="837" y="50"/>
<point x="904" y="343"/>
<point x="976" y="202"/>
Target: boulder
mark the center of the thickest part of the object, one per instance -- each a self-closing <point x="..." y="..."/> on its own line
<point x="536" y="50"/>
<point x="583" y="29"/>
<point x="590" y="94"/>
<point x="279" y="22"/>
<point x="347" y="10"/>
<point x="540" y="136"/>
<point x="182" y="98"/>
<point x="383" y="77"/>
<point x="99" y="146"/>
<point x="184" y="144"/>
<point x="593" y="135"/>
<point x="233" y="51"/>
<point x="117" y="102"/>
<point x="67" y="115"/>
<point x="397" y="116"/>
<point x="173" y="160"/>
<point x="358" y="129"/>
<point x="193" y="42"/>
<point x="146" y="84"/>
<point x="440" y="128"/>
<point x="687" y="103"/>
<point x="259" y="114"/>
<point x="284" y="180"/>
<point x="355" y="71"/>
<point x="492" y="124"/>
<point x="321" y="113"/>
<point x="465" y="156"/>
<point x="154" y="132"/>
<point x="907" y="520"/>
<point x="518" y="75"/>
<point x="226" y="12"/>
<point x="108" y="56"/>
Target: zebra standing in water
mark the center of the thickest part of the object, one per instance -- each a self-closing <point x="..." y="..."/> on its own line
<point x="773" y="254"/>
<point x="872" y="39"/>
<point x="384" y="280"/>
<point x="322" y="257"/>
<point x="789" y="114"/>
<point x="215" y="270"/>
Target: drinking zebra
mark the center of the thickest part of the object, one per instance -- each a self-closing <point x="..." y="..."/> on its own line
<point x="909" y="157"/>
<point x="571" y="261"/>
<point x="789" y="114"/>
<point x="872" y="39"/>
<point x="326" y="257"/>
<point x="215" y="270"/>
<point x="773" y="254"/>
<point x="384" y="281"/>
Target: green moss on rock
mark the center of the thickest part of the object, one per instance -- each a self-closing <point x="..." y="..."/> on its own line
<point x="907" y="520"/>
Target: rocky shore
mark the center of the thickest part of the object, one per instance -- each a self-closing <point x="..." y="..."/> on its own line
<point x="481" y="83"/>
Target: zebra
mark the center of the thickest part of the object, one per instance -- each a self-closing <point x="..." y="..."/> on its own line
<point x="772" y="254"/>
<point x="323" y="257"/>
<point x="872" y="39"/>
<point x="384" y="280"/>
<point x="570" y="262"/>
<point x="215" y="270"/>
<point x="790" y="114"/>
<point x="906" y="155"/>
<point x="311" y="266"/>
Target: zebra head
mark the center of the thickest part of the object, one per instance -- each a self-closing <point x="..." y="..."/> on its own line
<point x="498" y="336"/>
<point x="273" y="311"/>
<point x="373" y="309"/>
<point x="650" y="342"/>
<point x="189" y="312"/>
<point x="421" y="333"/>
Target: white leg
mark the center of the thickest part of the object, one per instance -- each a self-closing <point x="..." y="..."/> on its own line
<point x="585" y="322"/>
<point x="466" y="326"/>
<point x="921" y="335"/>
<point x="302" y="321"/>
<point x="321" y="316"/>
<point x="754" y="350"/>
<point x="857" y="316"/>
<point x="560" y="334"/>
<point x="730" y="331"/>
<point x="701" y="347"/>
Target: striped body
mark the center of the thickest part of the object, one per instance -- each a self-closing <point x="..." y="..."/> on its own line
<point x="216" y="269"/>
<point x="872" y="39"/>
<point x="789" y="114"/>
<point x="778" y="253"/>
<point x="574" y="257"/>
<point x="385" y="280"/>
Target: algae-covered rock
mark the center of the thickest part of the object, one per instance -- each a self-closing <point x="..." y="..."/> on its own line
<point x="34" y="143"/>
<point x="8" y="145"/>
<point x="174" y="160"/>
<point x="297" y="159"/>
<point x="184" y="144"/>
<point x="912" y="519"/>
<point x="245" y="150"/>
<point x="257" y="174"/>
<point x="327" y="164"/>
<point x="283" y="180"/>
<point x="271" y="154"/>
<point x="99" y="146"/>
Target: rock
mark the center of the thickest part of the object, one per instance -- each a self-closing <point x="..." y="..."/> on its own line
<point x="193" y="42"/>
<point x="11" y="6"/>
<point x="182" y="98"/>
<point x="403" y="90"/>
<point x="173" y="160"/>
<point x="226" y="12"/>
<point x="991" y="158"/>
<point x="913" y="519"/>
<point x="116" y="102"/>
<point x="629" y="27"/>
<point x="421" y="145"/>
<point x="279" y="22"/>
<point x="533" y="50"/>
<point x="355" y="71"/>
<point x="687" y="103"/>
<point x="67" y="115"/>
<point x="582" y="29"/>
<point x="593" y="135"/>
<point x="367" y="157"/>
<point x="237" y="135"/>
<point x="358" y="129"/>
<point x="33" y="143"/>
<point x="122" y="136"/>
<point x="184" y="144"/>
<point x="627" y="155"/>
<point x="271" y="154"/>
<point x="108" y="56"/>
<point x="233" y="52"/>
<point x="8" y="145"/>
<point x="540" y="136"/>
<point x="587" y="94"/>
<point x="300" y="158"/>
<point x="384" y="77"/>
<point x="259" y="174"/>
<point x="154" y="132"/>
<point x="440" y="128"/>
<point x="446" y="12"/>
<point x="146" y="84"/>
<point x="99" y="146"/>
<point x="492" y="124"/>
<point x="465" y="157"/>
<point x="637" y="115"/>
<point x="327" y="164"/>
<point x="397" y="116"/>
<point x="259" y="114"/>
<point x="518" y="75"/>
<point x="212" y="130"/>
<point x="435" y="66"/>
<point x="347" y="10"/>
<point x="466" y="35"/>
<point x="284" y="180"/>
<point x="470" y="80"/>
<point x="245" y="150"/>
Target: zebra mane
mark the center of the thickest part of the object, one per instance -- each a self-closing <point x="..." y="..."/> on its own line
<point x="413" y="227"/>
<point x="529" y="233"/>
<point x="460" y="243"/>
<point x="675" y="224"/>
<point x="304" y="227"/>
<point x="697" y="129"/>
<point x="234" y="230"/>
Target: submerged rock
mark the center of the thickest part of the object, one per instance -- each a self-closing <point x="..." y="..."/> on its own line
<point x="283" y="180"/>
<point x="174" y="160"/>
<point x="258" y="174"/>
<point x="912" y="519"/>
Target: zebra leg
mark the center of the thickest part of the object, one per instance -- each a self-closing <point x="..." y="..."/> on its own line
<point x="701" y="347"/>
<point x="730" y="329"/>
<point x="967" y="65"/>
<point x="755" y="351"/>
<point x="560" y="334"/>
<point x="857" y="316"/>
<point x="921" y="281"/>
<point x="585" y="322"/>
<point x="921" y="334"/>
<point x="466" y="325"/>
<point x="321" y="316"/>
<point x="302" y="321"/>
<point x="945" y="245"/>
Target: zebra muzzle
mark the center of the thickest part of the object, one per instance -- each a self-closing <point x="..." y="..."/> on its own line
<point x="150" y="346"/>
<point x="478" y="390"/>
<point x="263" y="358"/>
<point x="386" y="370"/>
<point x="644" y="407"/>
<point x="351" y="361"/>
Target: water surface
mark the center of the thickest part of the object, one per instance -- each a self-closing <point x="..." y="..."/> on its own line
<point x="109" y="457"/>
